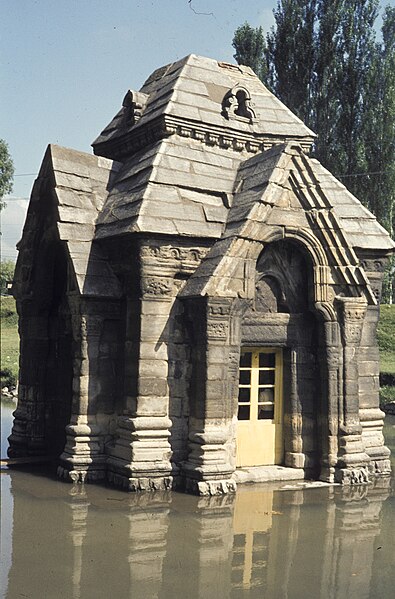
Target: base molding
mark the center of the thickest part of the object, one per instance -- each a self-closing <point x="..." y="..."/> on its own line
<point x="133" y="485"/>
<point x="210" y="488"/>
<point x="352" y="476"/>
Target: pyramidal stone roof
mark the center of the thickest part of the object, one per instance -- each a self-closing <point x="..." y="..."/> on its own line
<point x="196" y="97"/>
<point x="203" y="150"/>
<point x="69" y="193"/>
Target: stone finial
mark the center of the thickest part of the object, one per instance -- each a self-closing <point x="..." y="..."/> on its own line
<point x="237" y="104"/>
<point x="134" y="104"/>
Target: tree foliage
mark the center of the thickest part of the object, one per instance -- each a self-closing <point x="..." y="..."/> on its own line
<point x="6" y="172"/>
<point x="290" y="55"/>
<point x="250" y="46"/>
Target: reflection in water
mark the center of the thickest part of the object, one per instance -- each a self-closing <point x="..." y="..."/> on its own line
<point x="89" y="541"/>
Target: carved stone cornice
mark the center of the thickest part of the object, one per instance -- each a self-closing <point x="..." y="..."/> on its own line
<point x="212" y="135"/>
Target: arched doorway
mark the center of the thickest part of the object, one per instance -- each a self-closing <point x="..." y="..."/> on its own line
<point x="279" y="377"/>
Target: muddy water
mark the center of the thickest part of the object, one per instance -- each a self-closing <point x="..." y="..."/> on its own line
<point x="267" y="542"/>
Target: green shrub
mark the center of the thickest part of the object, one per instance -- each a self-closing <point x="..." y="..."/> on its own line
<point x="387" y="394"/>
<point x="8" y="377"/>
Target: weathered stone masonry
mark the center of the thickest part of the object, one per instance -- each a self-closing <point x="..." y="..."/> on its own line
<point x="200" y="230"/>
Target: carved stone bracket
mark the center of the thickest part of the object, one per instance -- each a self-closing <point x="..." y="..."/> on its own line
<point x="352" y="314"/>
<point x="156" y="287"/>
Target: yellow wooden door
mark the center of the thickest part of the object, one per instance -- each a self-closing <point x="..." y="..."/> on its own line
<point x="260" y="421"/>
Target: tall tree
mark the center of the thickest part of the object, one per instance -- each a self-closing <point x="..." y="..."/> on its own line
<point x="326" y="102"/>
<point x="250" y="46"/>
<point x="6" y="172"/>
<point x="355" y="53"/>
<point x="379" y="126"/>
<point x="291" y="55"/>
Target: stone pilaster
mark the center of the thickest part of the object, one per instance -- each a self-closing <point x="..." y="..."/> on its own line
<point x="330" y="362"/>
<point x="299" y="417"/>
<point x="140" y="458"/>
<point x="353" y="463"/>
<point x="209" y="467"/>
<point x="83" y="457"/>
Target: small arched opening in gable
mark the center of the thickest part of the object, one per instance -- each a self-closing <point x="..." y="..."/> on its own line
<point x="237" y="104"/>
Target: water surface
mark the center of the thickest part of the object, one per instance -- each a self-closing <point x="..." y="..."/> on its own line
<point x="87" y="541"/>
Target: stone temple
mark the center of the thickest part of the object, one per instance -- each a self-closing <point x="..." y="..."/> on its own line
<point x="199" y="297"/>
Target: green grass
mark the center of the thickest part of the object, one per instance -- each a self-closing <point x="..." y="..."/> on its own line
<point x="9" y="358"/>
<point x="386" y="338"/>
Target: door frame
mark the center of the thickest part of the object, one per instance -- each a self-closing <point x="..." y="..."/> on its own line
<point x="247" y="453"/>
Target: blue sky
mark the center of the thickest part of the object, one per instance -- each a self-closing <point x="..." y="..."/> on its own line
<point x="66" y="64"/>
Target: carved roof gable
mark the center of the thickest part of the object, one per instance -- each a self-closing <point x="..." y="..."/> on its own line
<point x="67" y="197"/>
<point x="278" y="194"/>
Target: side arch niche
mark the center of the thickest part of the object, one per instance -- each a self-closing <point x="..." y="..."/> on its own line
<point x="46" y="363"/>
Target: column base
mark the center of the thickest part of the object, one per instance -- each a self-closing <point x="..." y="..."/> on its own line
<point x="352" y="476"/>
<point x="143" y="483"/>
<point x="82" y="459"/>
<point x="372" y="420"/>
<point x="140" y="457"/>
<point x="380" y="467"/>
<point x="134" y="478"/>
<point x="210" y="488"/>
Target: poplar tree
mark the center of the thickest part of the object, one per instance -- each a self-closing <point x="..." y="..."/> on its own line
<point x="326" y="102"/>
<point x="251" y="50"/>
<point x="291" y="55"/>
<point x="355" y="53"/>
<point x="379" y="126"/>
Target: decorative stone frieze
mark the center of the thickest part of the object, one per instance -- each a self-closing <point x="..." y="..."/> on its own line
<point x="217" y="330"/>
